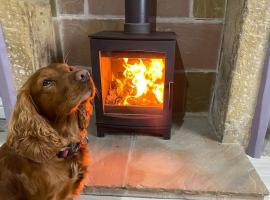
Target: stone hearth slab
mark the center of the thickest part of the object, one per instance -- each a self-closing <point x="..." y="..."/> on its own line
<point x="109" y="156"/>
<point x="190" y="165"/>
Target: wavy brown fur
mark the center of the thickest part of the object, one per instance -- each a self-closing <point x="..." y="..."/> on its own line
<point x="29" y="133"/>
<point x="39" y="128"/>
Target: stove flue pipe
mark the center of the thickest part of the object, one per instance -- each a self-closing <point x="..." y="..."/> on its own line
<point x="137" y="16"/>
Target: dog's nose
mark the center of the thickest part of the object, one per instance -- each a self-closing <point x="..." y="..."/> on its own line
<point x="82" y="75"/>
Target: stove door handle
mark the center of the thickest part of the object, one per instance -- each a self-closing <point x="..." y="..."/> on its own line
<point x="170" y="93"/>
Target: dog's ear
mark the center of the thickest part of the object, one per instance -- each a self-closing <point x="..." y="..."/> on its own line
<point x="29" y="133"/>
<point x="85" y="110"/>
<point x="84" y="113"/>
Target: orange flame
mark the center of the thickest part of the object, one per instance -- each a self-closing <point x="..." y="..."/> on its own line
<point x="143" y="82"/>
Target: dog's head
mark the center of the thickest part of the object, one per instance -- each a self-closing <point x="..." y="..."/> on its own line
<point x="46" y="110"/>
<point x="59" y="89"/>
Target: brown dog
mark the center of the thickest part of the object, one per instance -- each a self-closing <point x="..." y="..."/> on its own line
<point x="46" y="156"/>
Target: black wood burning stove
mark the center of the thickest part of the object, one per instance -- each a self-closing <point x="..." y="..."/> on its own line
<point x="133" y="71"/>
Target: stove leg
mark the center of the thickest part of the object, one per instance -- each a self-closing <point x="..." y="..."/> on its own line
<point x="100" y="132"/>
<point x="167" y="135"/>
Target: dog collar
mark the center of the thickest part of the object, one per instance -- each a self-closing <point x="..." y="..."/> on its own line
<point x="72" y="148"/>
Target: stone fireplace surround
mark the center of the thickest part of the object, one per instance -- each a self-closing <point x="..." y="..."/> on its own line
<point x="219" y="69"/>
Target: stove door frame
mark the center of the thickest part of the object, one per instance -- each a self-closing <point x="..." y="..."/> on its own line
<point x="148" y="124"/>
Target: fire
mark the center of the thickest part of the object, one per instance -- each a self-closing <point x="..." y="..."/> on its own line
<point x="141" y="83"/>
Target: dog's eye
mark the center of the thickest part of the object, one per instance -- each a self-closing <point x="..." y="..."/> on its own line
<point x="47" y="83"/>
<point x="71" y="69"/>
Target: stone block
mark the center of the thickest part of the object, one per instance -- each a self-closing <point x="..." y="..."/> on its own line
<point x="29" y="36"/>
<point x="246" y="71"/>
<point x="192" y="91"/>
<point x="104" y="7"/>
<point x="75" y="37"/>
<point x="208" y="8"/>
<point x="165" y="8"/>
<point x="196" y="98"/>
<point x="198" y="43"/>
<point x="70" y="6"/>
<point x="173" y="8"/>
<point x="246" y="39"/>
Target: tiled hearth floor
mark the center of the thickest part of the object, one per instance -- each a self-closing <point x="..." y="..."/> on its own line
<point x="192" y="165"/>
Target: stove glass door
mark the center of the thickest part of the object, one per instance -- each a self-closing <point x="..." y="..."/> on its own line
<point x="132" y="82"/>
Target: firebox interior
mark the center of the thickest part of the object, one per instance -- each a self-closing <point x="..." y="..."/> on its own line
<point x="132" y="82"/>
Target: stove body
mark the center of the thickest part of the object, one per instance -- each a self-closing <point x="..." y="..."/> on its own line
<point x="133" y="72"/>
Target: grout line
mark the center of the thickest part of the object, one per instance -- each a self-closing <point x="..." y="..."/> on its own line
<point x="188" y="20"/>
<point x="191" y="4"/>
<point x="60" y="26"/>
<point x="131" y="147"/>
<point x="56" y="30"/>
<point x="198" y="70"/>
<point x="59" y="22"/>
<point x="196" y="114"/>
<point x="57" y="12"/>
<point x="225" y="10"/>
<point x="158" y="19"/>
<point x="86" y="8"/>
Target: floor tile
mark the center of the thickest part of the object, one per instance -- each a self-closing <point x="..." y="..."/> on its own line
<point x="109" y="157"/>
<point x="191" y="162"/>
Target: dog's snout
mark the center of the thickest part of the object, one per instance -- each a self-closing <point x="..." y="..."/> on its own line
<point x="82" y="75"/>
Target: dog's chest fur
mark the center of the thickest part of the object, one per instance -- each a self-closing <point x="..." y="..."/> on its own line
<point x="39" y="180"/>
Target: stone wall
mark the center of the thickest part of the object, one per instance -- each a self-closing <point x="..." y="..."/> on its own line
<point x="197" y="23"/>
<point x="29" y="36"/>
<point x="246" y="38"/>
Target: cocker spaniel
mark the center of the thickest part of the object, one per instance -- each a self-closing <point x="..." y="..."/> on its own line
<point x="46" y="154"/>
